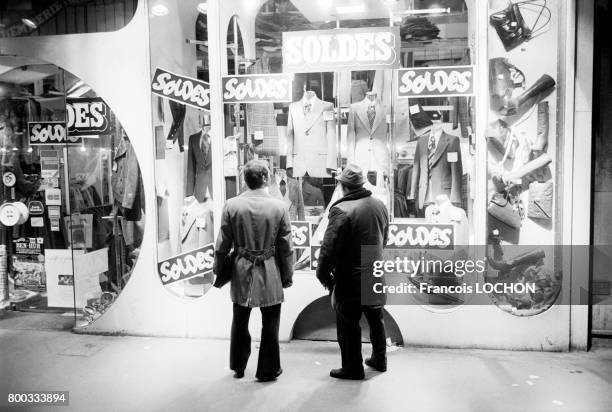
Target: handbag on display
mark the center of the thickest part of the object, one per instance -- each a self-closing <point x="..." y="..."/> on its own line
<point x="504" y="77"/>
<point x="500" y="137"/>
<point x="225" y="276"/>
<point x="540" y="204"/>
<point x="511" y="26"/>
<point x="503" y="209"/>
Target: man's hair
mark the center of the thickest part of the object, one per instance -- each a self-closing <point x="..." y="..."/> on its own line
<point x="255" y="173"/>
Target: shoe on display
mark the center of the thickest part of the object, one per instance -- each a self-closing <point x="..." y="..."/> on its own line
<point x="342" y="374"/>
<point x="379" y="366"/>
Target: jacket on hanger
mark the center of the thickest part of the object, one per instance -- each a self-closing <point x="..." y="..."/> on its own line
<point x="196" y="229"/>
<point x="446" y="173"/>
<point x="199" y="170"/>
<point x="311" y="140"/>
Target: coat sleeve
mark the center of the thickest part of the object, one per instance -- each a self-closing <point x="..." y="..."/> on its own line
<point x="225" y="240"/>
<point x="333" y="238"/>
<point x="284" y="250"/>
<point x="290" y="138"/>
<point x="332" y="150"/>
<point x="457" y="172"/>
<point x="191" y="173"/>
<point x="416" y="173"/>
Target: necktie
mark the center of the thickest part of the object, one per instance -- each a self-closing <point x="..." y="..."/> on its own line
<point x="283" y="188"/>
<point x="307" y="108"/>
<point x="430" y="156"/>
<point x="371" y="115"/>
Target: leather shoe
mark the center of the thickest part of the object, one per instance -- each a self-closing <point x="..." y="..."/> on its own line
<point x="268" y="378"/>
<point x="342" y="374"/>
<point x="379" y="366"/>
<point x="238" y="374"/>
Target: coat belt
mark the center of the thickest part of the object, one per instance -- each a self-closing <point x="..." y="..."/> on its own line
<point x="256" y="256"/>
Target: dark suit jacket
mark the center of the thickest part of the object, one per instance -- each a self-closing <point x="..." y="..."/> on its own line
<point x="256" y="221"/>
<point x="199" y="171"/>
<point x="445" y="177"/>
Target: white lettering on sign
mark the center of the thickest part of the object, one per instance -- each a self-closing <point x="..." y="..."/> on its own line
<point x="446" y="81"/>
<point x="300" y="233"/>
<point x="257" y="89"/>
<point x="420" y="236"/>
<point x="187" y="265"/>
<point x="87" y="115"/>
<point x="50" y="133"/>
<point x="181" y="89"/>
<point x="339" y="48"/>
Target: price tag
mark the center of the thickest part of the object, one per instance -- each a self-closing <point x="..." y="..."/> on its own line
<point x="414" y="109"/>
<point x="328" y="115"/>
<point x="37" y="222"/>
<point x="388" y="119"/>
<point x="53" y="197"/>
<point x="452" y="157"/>
<point x="201" y="223"/>
<point x="259" y="135"/>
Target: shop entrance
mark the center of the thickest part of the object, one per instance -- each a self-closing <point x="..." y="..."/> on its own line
<point x="71" y="218"/>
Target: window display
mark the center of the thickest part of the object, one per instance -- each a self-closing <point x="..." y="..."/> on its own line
<point x="72" y="196"/>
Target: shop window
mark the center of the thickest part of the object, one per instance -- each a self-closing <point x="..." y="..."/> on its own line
<point x="183" y="147"/>
<point x="72" y="197"/>
<point x="53" y="17"/>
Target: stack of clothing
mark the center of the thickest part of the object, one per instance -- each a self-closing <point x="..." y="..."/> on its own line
<point x="418" y="29"/>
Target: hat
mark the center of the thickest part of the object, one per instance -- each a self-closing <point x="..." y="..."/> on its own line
<point x="352" y="175"/>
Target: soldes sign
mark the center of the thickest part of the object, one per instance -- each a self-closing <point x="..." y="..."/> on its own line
<point x="258" y="88"/>
<point x="421" y="236"/>
<point x="435" y="81"/>
<point x="300" y="233"/>
<point x="187" y="265"/>
<point x="181" y="89"/>
<point x="327" y="50"/>
<point x="88" y="117"/>
<point x="50" y="133"/>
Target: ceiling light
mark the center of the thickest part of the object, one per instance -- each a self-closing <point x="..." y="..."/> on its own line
<point x="203" y="7"/>
<point x="159" y="10"/>
<point x="439" y="10"/>
<point x="29" y="23"/>
<point x="352" y="9"/>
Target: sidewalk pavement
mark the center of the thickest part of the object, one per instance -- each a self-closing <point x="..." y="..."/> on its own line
<point x="105" y="373"/>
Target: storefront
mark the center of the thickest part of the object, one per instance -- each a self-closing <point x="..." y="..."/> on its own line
<point x="460" y="112"/>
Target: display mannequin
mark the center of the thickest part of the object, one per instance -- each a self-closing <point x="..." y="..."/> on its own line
<point x="311" y="137"/>
<point x="437" y="167"/>
<point x="443" y="211"/>
<point x="196" y="228"/>
<point x="199" y="164"/>
<point x="367" y="137"/>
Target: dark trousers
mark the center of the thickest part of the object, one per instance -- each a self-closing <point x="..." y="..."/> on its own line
<point x="268" y="363"/>
<point x="349" y="334"/>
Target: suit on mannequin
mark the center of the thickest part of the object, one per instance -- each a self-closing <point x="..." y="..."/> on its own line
<point x="199" y="171"/>
<point x="446" y="169"/>
<point x="311" y="140"/>
<point x="367" y="135"/>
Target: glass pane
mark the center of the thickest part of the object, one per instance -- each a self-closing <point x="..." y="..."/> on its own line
<point x="36" y="260"/>
<point x="525" y="146"/>
<point x="52" y="17"/>
<point x="184" y="147"/>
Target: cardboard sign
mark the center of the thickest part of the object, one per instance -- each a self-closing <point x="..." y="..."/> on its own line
<point x="181" y="89"/>
<point x="435" y="81"/>
<point x="50" y="133"/>
<point x="187" y="265"/>
<point x="300" y="234"/>
<point x="369" y="48"/>
<point x="53" y="197"/>
<point x="258" y="88"/>
<point x="423" y="236"/>
<point x="88" y="117"/>
<point x="49" y="164"/>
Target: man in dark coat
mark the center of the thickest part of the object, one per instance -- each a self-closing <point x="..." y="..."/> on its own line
<point x="355" y="220"/>
<point x="257" y="226"/>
